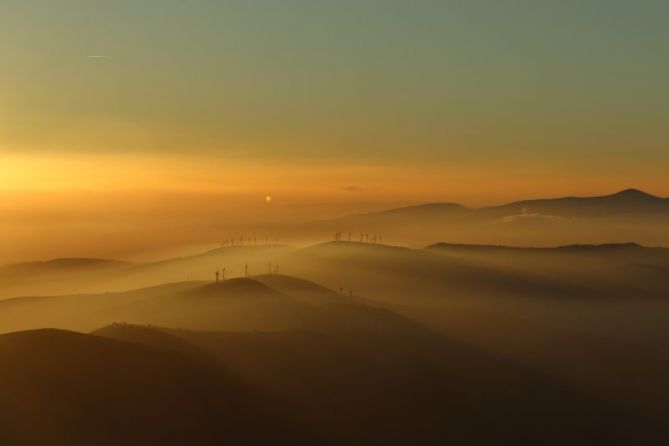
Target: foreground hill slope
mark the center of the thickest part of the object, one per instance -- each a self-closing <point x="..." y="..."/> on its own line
<point x="382" y="389"/>
<point x="64" y="388"/>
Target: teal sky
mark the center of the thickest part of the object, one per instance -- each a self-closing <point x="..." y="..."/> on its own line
<point x="542" y="83"/>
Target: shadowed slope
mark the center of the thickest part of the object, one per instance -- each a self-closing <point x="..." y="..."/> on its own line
<point x="151" y="336"/>
<point x="387" y="389"/>
<point x="63" y="388"/>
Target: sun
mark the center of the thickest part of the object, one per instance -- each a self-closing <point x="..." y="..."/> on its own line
<point x="268" y="199"/>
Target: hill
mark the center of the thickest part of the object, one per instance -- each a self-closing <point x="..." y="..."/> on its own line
<point x="623" y="217"/>
<point x="629" y="201"/>
<point x="429" y="389"/>
<point x="235" y="304"/>
<point x="64" y="388"/>
<point x="69" y="276"/>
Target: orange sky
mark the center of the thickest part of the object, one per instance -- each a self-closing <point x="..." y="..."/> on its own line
<point x="73" y="177"/>
<point x="122" y="205"/>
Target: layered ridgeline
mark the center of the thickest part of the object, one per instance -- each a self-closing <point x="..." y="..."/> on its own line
<point x="62" y="276"/>
<point x="629" y="215"/>
<point x="351" y="343"/>
<point x="378" y="271"/>
<point x="617" y="290"/>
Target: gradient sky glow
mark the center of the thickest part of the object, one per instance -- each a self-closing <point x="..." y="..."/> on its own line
<point x="480" y="101"/>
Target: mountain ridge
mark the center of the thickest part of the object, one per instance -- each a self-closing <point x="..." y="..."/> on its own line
<point x="629" y="196"/>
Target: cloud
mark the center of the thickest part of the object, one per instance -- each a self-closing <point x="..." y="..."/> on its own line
<point x="351" y="188"/>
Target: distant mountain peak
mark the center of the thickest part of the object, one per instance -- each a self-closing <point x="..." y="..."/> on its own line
<point x="634" y="193"/>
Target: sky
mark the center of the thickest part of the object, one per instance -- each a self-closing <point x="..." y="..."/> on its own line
<point x="318" y="102"/>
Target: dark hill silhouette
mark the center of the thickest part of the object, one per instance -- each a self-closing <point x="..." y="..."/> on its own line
<point x="627" y="215"/>
<point x="394" y="390"/>
<point x="64" y="388"/>
<point x="623" y="202"/>
<point x="630" y="201"/>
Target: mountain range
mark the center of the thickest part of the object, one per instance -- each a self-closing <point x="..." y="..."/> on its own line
<point x="627" y="216"/>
